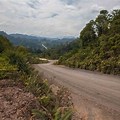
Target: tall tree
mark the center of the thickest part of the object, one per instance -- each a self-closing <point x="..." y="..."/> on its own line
<point x="88" y="35"/>
<point x="102" y="22"/>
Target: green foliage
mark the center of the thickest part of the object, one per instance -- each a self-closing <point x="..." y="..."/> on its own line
<point x="102" y="22"/>
<point x="56" y="51"/>
<point x="35" y="84"/>
<point x="66" y="115"/>
<point x="19" y="60"/>
<point x="100" y="45"/>
<point x="88" y="35"/>
<point x="5" y="67"/>
<point x="12" y="59"/>
<point x="4" y="44"/>
<point x="34" y="59"/>
<point x="39" y="114"/>
<point x="45" y="99"/>
<point x="50" y="107"/>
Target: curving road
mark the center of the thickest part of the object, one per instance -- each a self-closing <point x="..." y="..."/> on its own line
<point x="94" y="94"/>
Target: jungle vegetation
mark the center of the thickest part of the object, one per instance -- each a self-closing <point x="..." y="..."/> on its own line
<point x="98" y="47"/>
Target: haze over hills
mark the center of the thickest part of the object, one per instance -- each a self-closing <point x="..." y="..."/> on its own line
<point x="36" y="42"/>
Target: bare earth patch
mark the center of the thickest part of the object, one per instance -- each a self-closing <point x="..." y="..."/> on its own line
<point x="15" y="103"/>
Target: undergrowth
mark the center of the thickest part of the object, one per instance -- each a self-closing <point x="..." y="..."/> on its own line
<point x="52" y="107"/>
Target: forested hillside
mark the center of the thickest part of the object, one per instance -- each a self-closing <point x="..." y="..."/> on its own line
<point x="35" y="43"/>
<point x="98" y="47"/>
<point x="58" y="50"/>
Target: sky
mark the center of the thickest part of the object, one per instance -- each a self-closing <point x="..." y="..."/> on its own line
<point x="51" y="18"/>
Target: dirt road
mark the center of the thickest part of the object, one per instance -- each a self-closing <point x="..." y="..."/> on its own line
<point x="96" y="96"/>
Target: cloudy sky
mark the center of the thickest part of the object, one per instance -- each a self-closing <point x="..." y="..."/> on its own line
<point x="53" y="18"/>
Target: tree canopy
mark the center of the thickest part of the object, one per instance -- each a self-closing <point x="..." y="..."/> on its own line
<point x="99" y="45"/>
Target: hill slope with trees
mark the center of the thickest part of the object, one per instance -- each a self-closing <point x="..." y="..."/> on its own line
<point x="35" y="43"/>
<point x="99" y="45"/>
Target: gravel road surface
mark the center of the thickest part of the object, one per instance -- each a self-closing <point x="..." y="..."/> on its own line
<point x="96" y="96"/>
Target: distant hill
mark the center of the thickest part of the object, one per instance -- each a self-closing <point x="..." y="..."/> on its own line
<point x="35" y="42"/>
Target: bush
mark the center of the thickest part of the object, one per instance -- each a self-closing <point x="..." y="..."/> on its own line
<point x="17" y="59"/>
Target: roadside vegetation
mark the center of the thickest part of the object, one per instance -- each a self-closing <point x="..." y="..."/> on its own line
<point x="98" y="47"/>
<point x="15" y="69"/>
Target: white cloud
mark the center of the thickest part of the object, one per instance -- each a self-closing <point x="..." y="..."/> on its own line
<point x="50" y="17"/>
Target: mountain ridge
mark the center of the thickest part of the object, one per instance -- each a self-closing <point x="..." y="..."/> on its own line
<point x="35" y="42"/>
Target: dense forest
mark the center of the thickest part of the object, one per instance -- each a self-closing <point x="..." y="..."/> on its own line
<point x="98" y="47"/>
<point x="21" y="84"/>
<point x="58" y="50"/>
